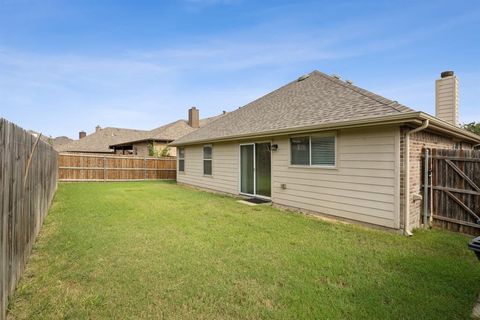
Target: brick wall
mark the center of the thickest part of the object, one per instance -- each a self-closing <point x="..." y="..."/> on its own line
<point x="418" y="141"/>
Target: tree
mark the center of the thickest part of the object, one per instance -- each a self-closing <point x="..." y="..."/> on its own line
<point x="151" y="150"/>
<point x="165" y="152"/>
<point x="472" y="127"/>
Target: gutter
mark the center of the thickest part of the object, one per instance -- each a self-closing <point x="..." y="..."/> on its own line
<point x="411" y="117"/>
<point x="446" y="127"/>
<point x="406" y="223"/>
<point x="367" y="121"/>
<point x="123" y="144"/>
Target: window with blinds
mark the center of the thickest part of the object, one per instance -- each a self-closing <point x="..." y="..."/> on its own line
<point x="207" y="160"/>
<point x="181" y="159"/>
<point x="300" y="148"/>
<point x="315" y="150"/>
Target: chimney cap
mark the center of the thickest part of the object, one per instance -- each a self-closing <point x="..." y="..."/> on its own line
<point x="445" y="74"/>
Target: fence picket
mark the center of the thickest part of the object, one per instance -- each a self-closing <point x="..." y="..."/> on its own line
<point x="456" y="195"/>
<point x="28" y="181"/>
<point x="90" y="167"/>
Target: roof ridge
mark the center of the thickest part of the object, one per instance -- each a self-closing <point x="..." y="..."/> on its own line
<point x="359" y="91"/>
<point x="120" y="129"/>
<point x="167" y="125"/>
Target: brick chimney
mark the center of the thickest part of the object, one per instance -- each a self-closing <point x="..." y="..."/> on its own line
<point x="194" y="117"/>
<point x="82" y="134"/>
<point x="446" y="97"/>
<point x="97" y="128"/>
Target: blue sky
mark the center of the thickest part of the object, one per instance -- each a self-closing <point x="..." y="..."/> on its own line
<point x="69" y="65"/>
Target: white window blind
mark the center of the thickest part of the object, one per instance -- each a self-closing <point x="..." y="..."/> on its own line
<point x="315" y="150"/>
<point x="207" y="160"/>
<point x="181" y="159"/>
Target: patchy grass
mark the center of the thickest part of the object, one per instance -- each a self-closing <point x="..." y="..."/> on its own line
<point x="158" y="250"/>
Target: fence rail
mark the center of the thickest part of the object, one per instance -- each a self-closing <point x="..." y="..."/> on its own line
<point x="455" y="187"/>
<point x="28" y="181"/>
<point x="89" y="167"/>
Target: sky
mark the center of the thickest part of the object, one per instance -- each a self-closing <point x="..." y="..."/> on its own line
<point x="70" y="65"/>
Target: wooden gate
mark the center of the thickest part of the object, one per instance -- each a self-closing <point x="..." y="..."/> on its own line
<point x="455" y="190"/>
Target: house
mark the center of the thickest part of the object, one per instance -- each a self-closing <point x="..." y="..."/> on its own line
<point x="100" y="140"/>
<point x="57" y="142"/>
<point x="156" y="141"/>
<point x="325" y="146"/>
<point x="54" y="142"/>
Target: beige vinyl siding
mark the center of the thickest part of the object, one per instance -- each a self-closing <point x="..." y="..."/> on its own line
<point x="446" y="99"/>
<point x="225" y="170"/>
<point x="364" y="186"/>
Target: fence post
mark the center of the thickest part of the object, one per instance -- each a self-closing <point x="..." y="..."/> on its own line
<point x="104" y="169"/>
<point x="145" y="168"/>
<point x="425" y="189"/>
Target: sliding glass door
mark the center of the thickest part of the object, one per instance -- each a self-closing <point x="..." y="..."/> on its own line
<point x="247" y="169"/>
<point x="263" y="169"/>
<point x="255" y="169"/>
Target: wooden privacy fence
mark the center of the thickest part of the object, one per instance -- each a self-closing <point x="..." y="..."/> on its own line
<point x="455" y="190"/>
<point x="90" y="167"/>
<point x="28" y="181"/>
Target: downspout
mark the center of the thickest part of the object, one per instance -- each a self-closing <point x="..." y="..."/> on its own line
<point x="406" y="223"/>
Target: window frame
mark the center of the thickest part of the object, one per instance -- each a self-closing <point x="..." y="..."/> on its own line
<point x="180" y="159"/>
<point x="310" y="165"/>
<point x="211" y="160"/>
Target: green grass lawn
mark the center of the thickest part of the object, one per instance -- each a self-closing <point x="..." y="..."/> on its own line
<point x="158" y="250"/>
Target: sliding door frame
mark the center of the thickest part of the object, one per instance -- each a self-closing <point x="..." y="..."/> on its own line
<point x="254" y="144"/>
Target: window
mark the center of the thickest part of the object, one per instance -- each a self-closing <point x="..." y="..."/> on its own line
<point x="315" y="150"/>
<point x="300" y="150"/>
<point x="207" y="160"/>
<point x="181" y="159"/>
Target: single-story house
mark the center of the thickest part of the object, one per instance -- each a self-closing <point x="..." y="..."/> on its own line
<point x="325" y="146"/>
<point x="156" y="141"/>
<point x="99" y="141"/>
<point x="55" y="142"/>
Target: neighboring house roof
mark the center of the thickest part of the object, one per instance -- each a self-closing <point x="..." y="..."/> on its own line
<point x="100" y="140"/>
<point x="168" y="132"/>
<point x="312" y="100"/>
<point x="57" y="142"/>
<point x="54" y="142"/>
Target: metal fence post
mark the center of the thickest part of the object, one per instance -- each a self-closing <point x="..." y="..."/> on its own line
<point x="425" y="189"/>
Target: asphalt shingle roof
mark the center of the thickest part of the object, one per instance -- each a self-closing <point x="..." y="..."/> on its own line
<point x="100" y="140"/>
<point x="317" y="99"/>
<point x="168" y="132"/>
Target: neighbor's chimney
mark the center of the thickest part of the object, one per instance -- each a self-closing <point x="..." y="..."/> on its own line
<point x="446" y="97"/>
<point x="82" y="134"/>
<point x="194" y="117"/>
<point x="97" y="128"/>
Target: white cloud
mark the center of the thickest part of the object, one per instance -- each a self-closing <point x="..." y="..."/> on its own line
<point x="146" y="87"/>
